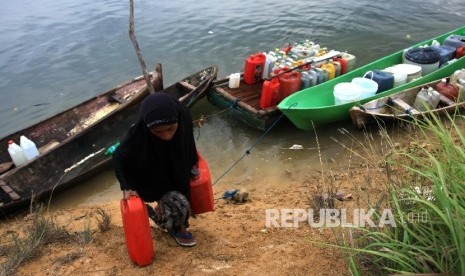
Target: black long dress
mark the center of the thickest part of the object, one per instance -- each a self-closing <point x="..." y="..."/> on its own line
<point x="149" y="165"/>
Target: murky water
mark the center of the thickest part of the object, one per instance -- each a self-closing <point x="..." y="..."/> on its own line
<point x="55" y="54"/>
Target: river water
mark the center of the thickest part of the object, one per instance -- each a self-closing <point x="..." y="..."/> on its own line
<point x="56" y="54"/>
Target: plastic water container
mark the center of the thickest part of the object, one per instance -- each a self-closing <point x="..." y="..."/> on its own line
<point x="16" y="153"/>
<point x="320" y="78"/>
<point x="460" y="52"/>
<point x="412" y="71"/>
<point x="458" y="79"/>
<point x="254" y="65"/>
<point x="447" y="89"/>
<point x="137" y="230"/>
<point x="455" y="41"/>
<point x="346" y="92"/>
<point x="427" y="99"/>
<point x="337" y="66"/>
<point x="400" y="77"/>
<point x="269" y="65"/>
<point x="270" y="93"/>
<point x="426" y="57"/>
<point x="368" y="87"/>
<point x="201" y="190"/>
<point x="305" y="80"/>
<point x="449" y="62"/>
<point x="446" y="53"/>
<point x="29" y="147"/>
<point x="234" y="80"/>
<point x="384" y="79"/>
<point x="289" y="83"/>
<point x="329" y="67"/>
<point x="350" y="61"/>
<point x="343" y="64"/>
<point x="313" y="77"/>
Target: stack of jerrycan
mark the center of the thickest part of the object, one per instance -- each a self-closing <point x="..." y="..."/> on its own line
<point x="290" y="69"/>
<point x="457" y="42"/>
<point x="22" y="153"/>
<point x="421" y="61"/>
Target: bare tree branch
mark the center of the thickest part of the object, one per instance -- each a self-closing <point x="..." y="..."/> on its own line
<point x="138" y="52"/>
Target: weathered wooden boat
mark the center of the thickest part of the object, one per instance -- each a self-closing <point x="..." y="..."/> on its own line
<point x="244" y="101"/>
<point x="316" y="106"/>
<point x="400" y="107"/>
<point x="73" y="143"/>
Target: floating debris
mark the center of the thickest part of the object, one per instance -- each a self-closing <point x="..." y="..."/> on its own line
<point x="296" y="147"/>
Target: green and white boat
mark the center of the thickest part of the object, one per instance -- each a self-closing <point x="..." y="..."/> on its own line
<point x="315" y="106"/>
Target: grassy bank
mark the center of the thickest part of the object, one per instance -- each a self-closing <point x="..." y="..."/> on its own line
<point x="426" y="194"/>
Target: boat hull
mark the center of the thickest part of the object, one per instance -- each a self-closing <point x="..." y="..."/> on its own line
<point x="315" y="106"/>
<point x="399" y="107"/>
<point x="83" y="154"/>
<point x="245" y="111"/>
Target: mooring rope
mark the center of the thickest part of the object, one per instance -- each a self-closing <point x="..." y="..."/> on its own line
<point x="247" y="152"/>
<point x="211" y="115"/>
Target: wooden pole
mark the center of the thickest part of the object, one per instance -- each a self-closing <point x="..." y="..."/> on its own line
<point x="158" y="78"/>
<point x="138" y="52"/>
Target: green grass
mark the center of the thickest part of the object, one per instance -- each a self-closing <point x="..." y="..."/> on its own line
<point x="428" y="203"/>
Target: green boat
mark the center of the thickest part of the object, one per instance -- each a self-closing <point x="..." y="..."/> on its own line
<point x="315" y="106"/>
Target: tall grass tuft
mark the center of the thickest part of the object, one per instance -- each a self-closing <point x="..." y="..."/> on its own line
<point x="41" y="231"/>
<point x="427" y="200"/>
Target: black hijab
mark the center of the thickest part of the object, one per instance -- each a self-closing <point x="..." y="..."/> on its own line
<point x="150" y="165"/>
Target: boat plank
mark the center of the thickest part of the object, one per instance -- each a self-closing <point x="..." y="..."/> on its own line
<point x="404" y="106"/>
<point x="8" y="190"/>
<point x="445" y="101"/>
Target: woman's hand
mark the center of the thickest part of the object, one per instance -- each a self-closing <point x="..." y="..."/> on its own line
<point x="128" y="193"/>
<point x="195" y="174"/>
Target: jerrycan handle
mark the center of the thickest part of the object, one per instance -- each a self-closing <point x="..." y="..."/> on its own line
<point x="369" y="72"/>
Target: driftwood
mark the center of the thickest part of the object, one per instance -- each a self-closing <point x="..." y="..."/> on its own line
<point x="140" y="57"/>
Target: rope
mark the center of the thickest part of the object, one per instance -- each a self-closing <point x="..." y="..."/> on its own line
<point x="211" y="115"/>
<point x="232" y="106"/>
<point x="203" y="118"/>
<point x="247" y="152"/>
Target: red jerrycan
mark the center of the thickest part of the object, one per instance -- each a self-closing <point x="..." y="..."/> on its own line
<point x="137" y="230"/>
<point x="201" y="190"/>
<point x="253" y="70"/>
<point x="289" y="83"/>
<point x="270" y="93"/>
<point x="460" y="52"/>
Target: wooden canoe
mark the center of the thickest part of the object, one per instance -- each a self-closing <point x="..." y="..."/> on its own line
<point x="73" y="143"/>
<point x="399" y="107"/>
<point x="244" y="100"/>
<point x="315" y="106"/>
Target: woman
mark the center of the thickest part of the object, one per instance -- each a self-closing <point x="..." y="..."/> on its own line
<point x="156" y="160"/>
